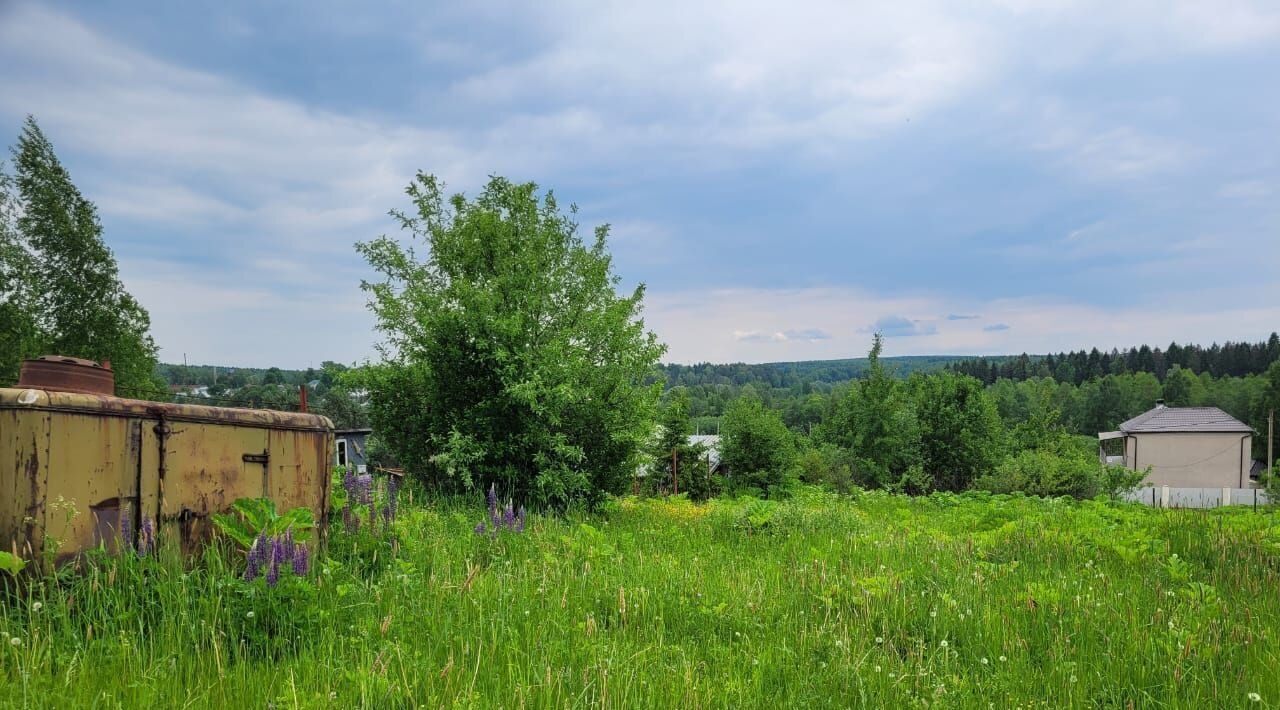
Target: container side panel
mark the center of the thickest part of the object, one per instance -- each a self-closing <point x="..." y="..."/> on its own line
<point x="24" y="456"/>
<point x="92" y="469"/>
<point x="300" y="469"/>
<point x="205" y="472"/>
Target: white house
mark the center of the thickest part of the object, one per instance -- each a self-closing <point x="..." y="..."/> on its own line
<point x="1190" y="447"/>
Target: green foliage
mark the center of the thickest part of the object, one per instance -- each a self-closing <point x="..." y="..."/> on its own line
<point x="11" y="563"/>
<point x="828" y="466"/>
<point x="961" y="435"/>
<point x="511" y="357"/>
<point x="673" y="442"/>
<point x="1178" y="387"/>
<point x="1057" y="473"/>
<point x="876" y="423"/>
<point x="257" y="516"/>
<point x="667" y="603"/>
<point x="757" y="448"/>
<point x="60" y="289"/>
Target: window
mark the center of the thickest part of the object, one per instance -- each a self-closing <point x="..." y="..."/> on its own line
<point x="342" y="453"/>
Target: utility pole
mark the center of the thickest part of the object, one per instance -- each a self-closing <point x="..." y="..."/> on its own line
<point x="1271" y="438"/>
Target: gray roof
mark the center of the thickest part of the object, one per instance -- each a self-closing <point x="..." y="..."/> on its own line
<point x="712" y="442"/>
<point x="1184" y="419"/>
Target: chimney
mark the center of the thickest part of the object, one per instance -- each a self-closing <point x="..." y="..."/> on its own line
<point x="1159" y="404"/>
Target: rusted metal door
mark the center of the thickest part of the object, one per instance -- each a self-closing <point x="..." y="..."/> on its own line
<point x="197" y="469"/>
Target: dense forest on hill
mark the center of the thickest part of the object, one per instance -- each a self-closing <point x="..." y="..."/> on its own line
<point x="1077" y="367"/>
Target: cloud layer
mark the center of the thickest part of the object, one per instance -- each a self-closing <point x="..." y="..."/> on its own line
<point x="785" y="180"/>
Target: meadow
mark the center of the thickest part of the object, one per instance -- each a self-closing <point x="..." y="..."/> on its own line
<point x="870" y="600"/>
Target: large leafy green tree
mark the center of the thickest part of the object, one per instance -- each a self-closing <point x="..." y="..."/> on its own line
<point x="60" y="288"/>
<point x="961" y="434"/>
<point x="757" y="447"/>
<point x="876" y="423"/>
<point x="511" y="358"/>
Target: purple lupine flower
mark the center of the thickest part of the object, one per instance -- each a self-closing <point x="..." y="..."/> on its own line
<point x="492" y="499"/>
<point x="146" y="537"/>
<point x="520" y="517"/>
<point x="273" y="569"/>
<point x="509" y="517"/>
<point x="389" y="510"/>
<point x="126" y="525"/>
<point x="301" y="561"/>
<point x="255" y="559"/>
<point x="364" y="489"/>
<point x="480" y="528"/>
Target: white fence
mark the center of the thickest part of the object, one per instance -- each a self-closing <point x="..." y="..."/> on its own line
<point x="1171" y="497"/>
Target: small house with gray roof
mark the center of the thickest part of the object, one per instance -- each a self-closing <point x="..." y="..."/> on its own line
<point x="1186" y="447"/>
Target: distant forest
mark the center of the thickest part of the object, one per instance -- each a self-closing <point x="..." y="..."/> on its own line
<point x="1078" y="367"/>
<point x="1091" y="390"/>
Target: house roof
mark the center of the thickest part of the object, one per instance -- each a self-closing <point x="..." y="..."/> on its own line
<point x="1184" y="419"/>
<point x="712" y="442"/>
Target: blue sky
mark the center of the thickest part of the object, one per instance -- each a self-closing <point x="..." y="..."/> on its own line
<point x="786" y="178"/>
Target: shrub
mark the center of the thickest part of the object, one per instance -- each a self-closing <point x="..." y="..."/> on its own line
<point x="1051" y="474"/>
<point x="827" y="466"/>
<point x="758" y="448"/>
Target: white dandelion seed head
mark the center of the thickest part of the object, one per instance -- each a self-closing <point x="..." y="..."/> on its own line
<point x="15" y="641"/>
<point x="879" y="639"/>
<point x="985" y="661"/>
<point x="943" y="643"/>
<point x="249" y="615"/>
<point x="1255" y="697"/>
<point x="1003" y="659"/>
<point x="36" y="606"/>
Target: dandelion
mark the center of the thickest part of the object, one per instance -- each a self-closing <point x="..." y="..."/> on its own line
<point x="1073" y="679"/>
<point x="15" y="642"/>
<point x="248" y="615"/>
<point x="985" y="661"/>
<point x="36" y="607"/>
<point x="1254" y="697"/>
<point x="879" y="639"/>
<point x="933" y="614"/>
<point x="943" y="643"/>
<point x="1003" y="659"/>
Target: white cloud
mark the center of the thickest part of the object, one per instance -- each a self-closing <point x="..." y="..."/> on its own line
<point x="699" y="325"/>
<point x="281" y="189"/>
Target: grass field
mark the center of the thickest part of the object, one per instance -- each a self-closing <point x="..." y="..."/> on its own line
<point x="822" y="601"/>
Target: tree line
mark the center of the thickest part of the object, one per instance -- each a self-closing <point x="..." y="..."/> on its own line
<point x="1229" y="359"/>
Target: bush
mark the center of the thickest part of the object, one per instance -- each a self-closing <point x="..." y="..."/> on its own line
<point x="1051" y="474"/>
<point x="827" y="466"/>
<point x="758" y="448"/>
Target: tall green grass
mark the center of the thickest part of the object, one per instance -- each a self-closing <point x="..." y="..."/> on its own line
<point x="822" y="601"/>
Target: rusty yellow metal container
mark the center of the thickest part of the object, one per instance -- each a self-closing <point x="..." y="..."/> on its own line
<point x="82" y="470"/>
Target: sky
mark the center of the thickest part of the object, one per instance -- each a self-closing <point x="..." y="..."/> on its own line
<point x="785" y="178"/>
